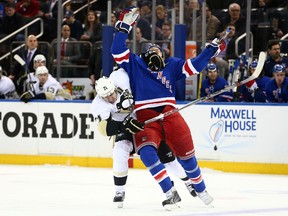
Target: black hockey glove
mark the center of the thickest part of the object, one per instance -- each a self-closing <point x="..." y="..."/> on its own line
<point x="153" y="60"/>
<point x="22" y="79"/>
<point x="126" y="100"/>
<point x="131" y="125"/>
<point x="27" y="96"/>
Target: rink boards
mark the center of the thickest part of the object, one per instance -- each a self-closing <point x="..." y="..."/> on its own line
<point x="237" y="137"/>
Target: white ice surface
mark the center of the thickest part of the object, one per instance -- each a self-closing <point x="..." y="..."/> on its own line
<point x="77" y="191"/>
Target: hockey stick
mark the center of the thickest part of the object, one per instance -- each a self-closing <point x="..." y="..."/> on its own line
<point x="218" y="41"/>
<point x="23" y="63"/>
<point x="261" y="61"/>
<point x="19" y="60"/>
<point x="228" y="30"/>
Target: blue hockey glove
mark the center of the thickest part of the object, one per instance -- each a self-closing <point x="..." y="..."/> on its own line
<point x="127" y="19"/>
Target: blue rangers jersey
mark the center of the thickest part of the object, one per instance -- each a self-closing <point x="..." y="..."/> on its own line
<point x="270" y="63"/>
<point x="259" y="95"/>
<point x="208" y="88"/>
<point x="275" y="94"/>
<point x="155" y="88"/>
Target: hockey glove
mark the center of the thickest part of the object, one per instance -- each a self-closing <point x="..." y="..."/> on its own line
<point x="217" y="45"/>
<point x="153" y="60"/>
<point x="127" y="19"/>
<point x="252" y="85"/>
<point x="131" y="125"/>
<point x="27" y="96"/>
<point x="21" y="79"/>
<point x="126" y="100"/>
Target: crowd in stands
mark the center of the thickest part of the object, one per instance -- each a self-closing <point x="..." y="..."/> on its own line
<point x="81" y="33"/>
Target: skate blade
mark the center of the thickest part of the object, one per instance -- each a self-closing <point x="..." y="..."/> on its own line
<point x="119" y="204"/>
<point x="171" y="207"/>
<point x="210" y="203"/>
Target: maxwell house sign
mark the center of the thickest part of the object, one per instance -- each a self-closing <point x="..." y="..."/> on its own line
<point x="234" y="119"/>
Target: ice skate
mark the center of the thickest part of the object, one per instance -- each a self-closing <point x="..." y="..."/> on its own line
<point x="172" y="199"/>
<point x="119" y="198"/>
<point x="205" y="197"/>
<point x="190" y="188"/>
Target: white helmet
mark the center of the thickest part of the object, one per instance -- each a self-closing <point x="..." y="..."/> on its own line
<point x="104" y="87"/>
<point x="40" y="58"/>
<point x="41" y="70"/>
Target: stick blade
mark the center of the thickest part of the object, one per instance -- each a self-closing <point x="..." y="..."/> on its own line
<point x="260" y="64"/>
<point x="19" y="59"/>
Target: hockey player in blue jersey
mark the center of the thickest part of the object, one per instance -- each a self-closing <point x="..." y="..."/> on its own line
<point x="255" y="93"/>
<point x="111" y="109"/>
<point x="152" y="79"/>
<point x="215" y="83"/>
<point x="277" y="88"/>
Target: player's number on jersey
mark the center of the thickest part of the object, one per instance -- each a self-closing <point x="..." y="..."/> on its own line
<point x="51" y="89"/>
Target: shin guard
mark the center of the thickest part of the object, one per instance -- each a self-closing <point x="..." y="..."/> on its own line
<point x="149" y="157"/>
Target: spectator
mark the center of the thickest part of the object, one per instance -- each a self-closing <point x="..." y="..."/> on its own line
<point x="278" y="25"/>
<point x="277" y="88"/>
<point x="145" y="27"/>
<point x="113" y="18"/>
<point x="214" y="83"/>
<point x="11" y="22"/>
<point x="74" y="24"/>
<point x="70" y="52"/>
<point x="94" y="70"/>
<point x="255" y="93"/>
<point x="48" y="12"/>
<point x="189" y="7"/>
<point x="161" y="18"/>
<point x="234" y="16"/>
<point x="103" y="17"/>
<point x="146" y="10"/>
<point x="274" y="58"/>
<point x="7" y="88"/>
<point x="95" y="59"/>
<point x="92" y="29"/>
<point x="47" y="88"/>
<point x="28" y="8"/>
<point x="92" y="33"/>
<point x="260" y="15"/>
<point x="229" y="52"/>
<point x="212" y="25"/>
<point x="142" y="23"/>
<point x="141" y="42"/>
<point x="166" y="37"/>
<point x="27" y="55"/>
<point x="230" y="47"/>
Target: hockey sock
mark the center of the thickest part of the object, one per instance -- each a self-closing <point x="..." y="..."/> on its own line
<point x="194" y="173"/>
<point x="151" y="160"/>
<point x="176" y="168"/>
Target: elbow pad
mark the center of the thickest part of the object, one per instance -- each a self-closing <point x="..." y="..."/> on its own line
<point x="109" y="127"/>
